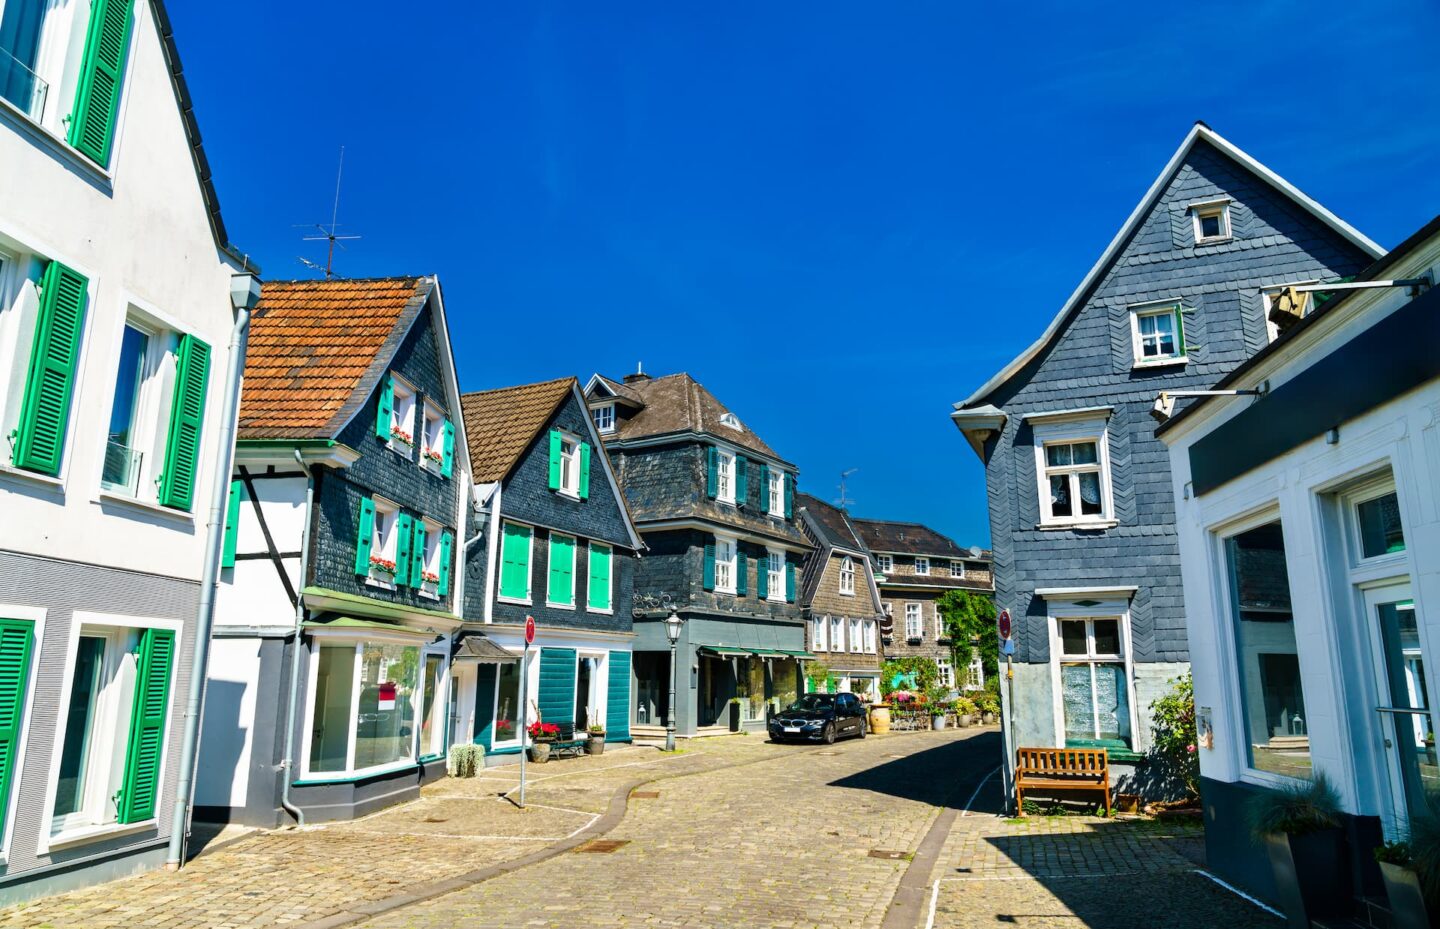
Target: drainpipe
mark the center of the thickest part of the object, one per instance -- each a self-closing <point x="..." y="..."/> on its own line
<point x="287" y="764"/>
<point x="244" y="296"/>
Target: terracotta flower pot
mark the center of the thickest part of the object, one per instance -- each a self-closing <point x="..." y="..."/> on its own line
<point x="879" y="719"/>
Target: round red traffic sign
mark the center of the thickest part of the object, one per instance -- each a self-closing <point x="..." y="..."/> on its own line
<point x="1003" y="623"/>
<point x="529" y="630"/>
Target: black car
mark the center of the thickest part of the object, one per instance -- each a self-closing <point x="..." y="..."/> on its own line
<point x="825" y="717"/>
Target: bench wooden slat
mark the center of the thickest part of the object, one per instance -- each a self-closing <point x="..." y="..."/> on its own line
<point x="1061" y="768"/>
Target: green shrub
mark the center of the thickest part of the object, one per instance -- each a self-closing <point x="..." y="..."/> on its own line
<point x="1173" y="727"/>
<point x="1295" y="809"/>
<point x="465" y="760"/>
<point x="965" y="707"/>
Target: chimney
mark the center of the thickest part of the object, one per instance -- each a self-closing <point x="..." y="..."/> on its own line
<point x="639" y="375"/>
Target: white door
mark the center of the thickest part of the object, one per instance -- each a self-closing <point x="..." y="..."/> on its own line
<point x="462" y="705"/>
<point x="1406" y="724"/>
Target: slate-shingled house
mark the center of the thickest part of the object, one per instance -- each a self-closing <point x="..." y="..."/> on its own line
<point x="916" y="566"/>
<point x="715" y="506"/>
<point x="338" y="593"/>
<point x="841" y="602"/>
<point x="552" y="540"/>
<point x="1081" y="513"/>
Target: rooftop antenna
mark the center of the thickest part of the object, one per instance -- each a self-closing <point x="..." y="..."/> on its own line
<point x="845" y="500"/>
<point x="329" y="235"/>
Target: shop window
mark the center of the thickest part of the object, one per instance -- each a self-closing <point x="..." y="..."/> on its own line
<point x="1095" y="692"/>
<point x="432" y="708"/>
<point x="507" y="704"/>
<point x="366" y="699"/>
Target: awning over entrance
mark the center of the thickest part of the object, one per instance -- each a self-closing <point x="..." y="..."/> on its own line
<point x="475" y="646"/>
<point x="726" y="652"/>
<point x="798" y="656"/>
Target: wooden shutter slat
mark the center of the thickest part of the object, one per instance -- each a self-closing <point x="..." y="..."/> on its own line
<point x="447" y="461"/>
<point x="403" y="524"/>
<point x="146" y="748"/>
<point x="45" y="407"/>
<point x="365" y="536"/>
<point x="597" y="591"/>
<point x="584" y="470"/>
<point x="447" y="545"/>
<point x="712" y="483"/>
<point x="554" y="459"/>
<point x="709" y="566"/>
<point x="97" y="100"/>
<point x="187" y="417"/>
<point x="16" y="641"/>
<point x="417" y="557"/>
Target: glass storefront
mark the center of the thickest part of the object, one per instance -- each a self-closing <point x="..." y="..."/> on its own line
<point x="507" y="703"/>
<point x="369" y="700"/>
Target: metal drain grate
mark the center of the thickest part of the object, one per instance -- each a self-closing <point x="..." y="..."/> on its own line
<point x="888" y="855"/>
<point x="645" y="794"/>
<point x="602" y="846"/>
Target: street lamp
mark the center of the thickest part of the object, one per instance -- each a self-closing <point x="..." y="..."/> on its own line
<point x="672" y="631"/>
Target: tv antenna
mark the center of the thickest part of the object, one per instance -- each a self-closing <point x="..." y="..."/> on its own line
<point x="329" y="235"/>
<point x="844" y="500"/>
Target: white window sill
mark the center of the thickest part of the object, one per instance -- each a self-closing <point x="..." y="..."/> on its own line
<point x="847" y="593"/>
<point x="428" y="464"/>
<point x="20" y="475"/>
<point x="55" y="143"/>
<point x="604" y="611"/>
<point x="723" y="590"/>
<point x="428" y="594"/>
<point x="501" y="598"/>
<point x="373" y="581"/>
<point x="1161" y="362"/>
<point x="722" y="500"/>
<point x="1215" y="240"/>
<point x="568" y="494"/>
<point x="144" y="506"/>
<point x="87" y="834"/>
<point x="559" y="606"/>
<point x="769" y="599"/>
<point x="1078" y="524"/>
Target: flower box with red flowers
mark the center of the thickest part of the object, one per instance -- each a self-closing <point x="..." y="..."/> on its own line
<point x="430" y="577"/>
<point x="543" y="732"/>
<point x="434" y="456"/>
<point x="383" y="565"/>
<point x="400" y="435"/>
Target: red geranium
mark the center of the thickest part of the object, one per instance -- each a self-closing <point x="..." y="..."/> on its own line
<point x="543" y="732"/>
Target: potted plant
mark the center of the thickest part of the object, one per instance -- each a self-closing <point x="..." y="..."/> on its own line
<point x="541" y="735"/>
<point x="595" y="739"/>
<point x="935" y="700"/>
<point x="989" y="708"/>
<point x="965" y="712"/>
<point x="1299" y="825"/>
<point x="733" y="710"/>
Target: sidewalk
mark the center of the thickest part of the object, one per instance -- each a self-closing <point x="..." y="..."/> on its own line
<point x="295" y="877"/>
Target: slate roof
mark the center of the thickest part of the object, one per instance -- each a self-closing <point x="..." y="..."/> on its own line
<point x="832" y="527"/>
<point x="831" y="522"/>
<point x="881" y="535"/>
<point x="679" y="403"/>
<point x="501" y="424"/>
<point x="621" y="391"/>
<point x="317" y="349"/>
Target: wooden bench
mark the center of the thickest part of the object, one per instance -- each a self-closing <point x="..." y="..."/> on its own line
<point x="566" y="743"/>
<point x="1061" y="769"/>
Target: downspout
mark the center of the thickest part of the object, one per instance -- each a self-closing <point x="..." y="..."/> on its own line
<point x="244" y="296"/>
<point x="287" y="763"/>
<point x="492" y="551"/>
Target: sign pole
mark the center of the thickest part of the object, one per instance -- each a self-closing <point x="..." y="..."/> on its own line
<point x="524" y="712"/>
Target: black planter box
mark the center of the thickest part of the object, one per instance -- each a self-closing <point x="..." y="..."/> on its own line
<point x="1312" y="875"/>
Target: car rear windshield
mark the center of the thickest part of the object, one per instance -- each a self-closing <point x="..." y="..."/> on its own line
<point x="813" y="702"/>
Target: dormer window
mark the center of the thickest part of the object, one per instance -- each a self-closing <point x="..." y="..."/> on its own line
<point x="847" y="577"/>
<point x="604" y="417"/>
<point x="922" y="565"/>
<point x="1212" y="221"/>
<point x="728" y="419"/>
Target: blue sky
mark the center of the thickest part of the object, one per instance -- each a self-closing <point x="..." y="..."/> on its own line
<point x="840" y="217"/>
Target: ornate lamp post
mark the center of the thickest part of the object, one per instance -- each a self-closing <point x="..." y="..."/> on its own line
<point x="672" y="630"/>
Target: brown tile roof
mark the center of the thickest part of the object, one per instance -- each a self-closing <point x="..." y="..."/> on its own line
<point x="881" y="535"/>
<point x="500" y="424"/>
<point x="317" y="349"/>
<point x="678" y="403"/>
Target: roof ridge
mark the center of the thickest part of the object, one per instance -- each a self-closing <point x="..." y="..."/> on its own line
<point x="496" y="390"/>
<point x="349" y="280"/>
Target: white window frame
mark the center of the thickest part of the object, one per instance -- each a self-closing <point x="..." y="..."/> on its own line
<point x="153" y="398"/>
<point x="435" y="416"/>
<point x="857" y="636"/>
<point x="1204" y="210"/>
<point x="403" y="403"/>
<point x="819" y="633"/>
<point x="730" y="420"/>
<point x="1175" y="311"/>
<point x="870" y="636"/>
<point x="1067" y="610"/>
<point x="1386" y="563"/>
<point x="521" y="717"/>
<point x="603" y="416"/>
<point x="58" y="64"/>
<point x="885" y="564"/>
<point x="442" y="702"/>
<point x="847" y="576"/>
<point x="775" y="575"/>
<point x="946" y="675"/>
<point x="1067" y="432"/>
<point x="430" y="560"/>
<point x="729" y="545"/>
<point x="837" y="634"/>
<point x="957" y="569"/>
<point x="110" y="707"/>
<point x="384" y="542"/>
<point x="775" y="493"/>
<point x="725" y="476"/>
<point x="922" y="565"/>
<point x="569" y="465"/>
<point x="914" y="621"/>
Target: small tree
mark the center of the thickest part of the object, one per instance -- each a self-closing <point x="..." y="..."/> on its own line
<point x="1173" y="726"/>
<point x="818" y="674"/>
<point x="970" y="616"/>
<point x="922" y="673"/>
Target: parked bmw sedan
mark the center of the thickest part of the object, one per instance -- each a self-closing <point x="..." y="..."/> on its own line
<point x="825" y="717"/>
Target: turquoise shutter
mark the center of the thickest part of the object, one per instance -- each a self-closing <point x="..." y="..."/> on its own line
<point x="789" y="582"/>
<point x="232" y="524"/>
<point x="1180" y="330"/>
<point x="485" y="680"/>
<point x="561" y="585"/>
<point x="16" y="637"/>
<point x="146" y="749"/>
<point x="92" y="122"/>
<point x="762" y="576"/>
<point x="742" y="572"/>
<point x="45" y="407"/>
<point x="403" y="524"/>
<point x="417" y="556"/>
<point x="597" y="587"/>
<point x="365" y="537"/>
<point x="764" y="487"/>
<point x="584" y="470"/>
<point x="447" y="545"/>
<point x="515" y="563"/>
<point x="741" y="487"/>
<point x="554" y="459"/>
<point x="556" y="701"/>
<point x="709" y="565"/>
<point x="187" y="417"/>
<point x="617" y="699"/>
<point x="789" y="494"/>
<point x="711" y="476"/>
<point x="447" y="463"/>
<point x="385" y="409"/>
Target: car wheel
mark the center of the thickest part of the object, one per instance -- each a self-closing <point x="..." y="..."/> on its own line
<point x="863" y="729"/>
<point x="828" y="736"/>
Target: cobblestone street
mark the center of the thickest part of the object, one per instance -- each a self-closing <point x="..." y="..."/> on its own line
<point x="732" y="832"/>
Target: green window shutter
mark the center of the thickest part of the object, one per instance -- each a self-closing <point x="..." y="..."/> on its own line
<point x="561" y="587"/>
<point x="447" y="463"/>
<point x="16" y="638"/>
<point x="45" y="408"/>
<point x="554" y="459"/>
<point x="709" y="565"/>
<point x="92" y="122"/>
<point x="711" y="468"/>
<point x="764" y="487"/>
<point x="187" y="417"/>
<point x="141" y="787"/>
<point x="485" y="680"/>
<point x="417" y="557"/>
<point x="232" y="524"/>
<point x="447" y="545"/>
<point x="403" y="529"/>
<point x="742" y="571"/>
<point x="762" y="576"/>
<point x="385" y="408"/>
<point x="617" y="698"/>
<point x="515" y="563"/>
<point x="789" y="582"/>
<point x="789" y="494"/>
<point x="597" y="590"/>
<point x="556" y="700"/>
<point x="740" y="482"/>
<point x="584" y="470"/>
<point x="365" y="537"/>
<point x="1180" y="330"/>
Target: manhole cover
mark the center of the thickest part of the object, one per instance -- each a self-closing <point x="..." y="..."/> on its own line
<point x="645" y="794"/>
<point x="888" y="855"/>
<point x="602" y="846"/>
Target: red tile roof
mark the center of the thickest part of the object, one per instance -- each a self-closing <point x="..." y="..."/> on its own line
<point x="500" y="424"/>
